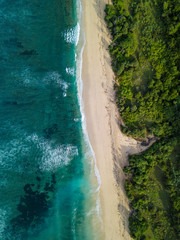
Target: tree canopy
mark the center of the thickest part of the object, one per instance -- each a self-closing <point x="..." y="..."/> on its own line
<point x="145" y="58"/>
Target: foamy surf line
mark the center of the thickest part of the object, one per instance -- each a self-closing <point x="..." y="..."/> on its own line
<point x="72" y="35"/>
<point x="79" y="63"/>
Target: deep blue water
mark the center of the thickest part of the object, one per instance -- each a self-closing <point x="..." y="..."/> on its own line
<point x="46" y="190"/>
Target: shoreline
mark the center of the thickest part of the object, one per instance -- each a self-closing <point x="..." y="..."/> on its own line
<point x="102" y="121"/>
<point x="95" y="176"/>
<point x="98" y="98"/>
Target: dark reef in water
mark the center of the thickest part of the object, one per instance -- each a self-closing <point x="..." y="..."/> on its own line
<point x="29" y="52"/>
<point x="33" y="207"/>
<point x="48" y="132"/>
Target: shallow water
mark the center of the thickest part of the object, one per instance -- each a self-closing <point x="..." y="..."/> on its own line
<point x="47" y="182"/>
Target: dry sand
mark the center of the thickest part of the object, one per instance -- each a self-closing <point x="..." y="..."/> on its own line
<point x="111" y="147"/>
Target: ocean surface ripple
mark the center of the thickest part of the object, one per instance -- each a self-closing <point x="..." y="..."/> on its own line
<point x="48" y="187"/>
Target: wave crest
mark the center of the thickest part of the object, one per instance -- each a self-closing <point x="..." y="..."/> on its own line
<point x="47" y="154"/>
<point x="53" y="156"/>
<point x="72" y="35"/>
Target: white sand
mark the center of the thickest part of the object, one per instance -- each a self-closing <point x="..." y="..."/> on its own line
<point x="111" y="147"/>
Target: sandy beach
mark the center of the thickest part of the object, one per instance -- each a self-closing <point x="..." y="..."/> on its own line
<point x="111" y="147"/>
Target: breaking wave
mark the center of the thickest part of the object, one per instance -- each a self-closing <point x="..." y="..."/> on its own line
<point x="72" y="34"/>
<point x="54" y="157"/>
<point x="48" y="155"/>
<point x="27" y="78"/>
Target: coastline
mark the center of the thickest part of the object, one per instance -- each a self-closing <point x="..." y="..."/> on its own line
<point x="101" y="115"/>
<point x="110" y="146"/>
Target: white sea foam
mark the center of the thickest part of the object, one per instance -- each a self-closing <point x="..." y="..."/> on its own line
<point x="72" y="34"/>
<point x="9" y="151"/>
<point x="74" y="216"/>
<point x="24" y="77"/>
<point x="76" y="119"/>
<point x="70" y="71"/>
<point x="48" y="155"/>
<point x="53" y="156"/>
<point x="54" y="77"/>
<point x="27" y="78"/>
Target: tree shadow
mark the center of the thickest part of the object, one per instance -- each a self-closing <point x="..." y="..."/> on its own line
<point x="124" y="212"/>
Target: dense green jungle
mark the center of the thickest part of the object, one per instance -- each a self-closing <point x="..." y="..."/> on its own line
<point x="145" y="52"/>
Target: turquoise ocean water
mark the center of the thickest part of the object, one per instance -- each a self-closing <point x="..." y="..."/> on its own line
<point x="48" y="186"/>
